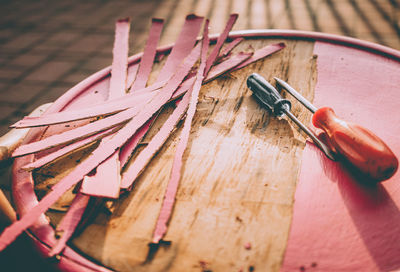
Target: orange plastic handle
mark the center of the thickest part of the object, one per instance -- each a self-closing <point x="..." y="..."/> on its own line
<point x="359" y="146"/>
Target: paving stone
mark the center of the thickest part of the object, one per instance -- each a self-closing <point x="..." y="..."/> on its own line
<point x="11" y="73"/>
<point x="28" y="59"/>
<point x="91" y="42"/>
<point x="50" y="71"/>
<point x="22" y="41"/>
<point x="6" y="110"/>
<point x="77" y="76"/>
<point x="50" y="95"/>
<point x="21" y="92"/>
<point x="97" y="62"/>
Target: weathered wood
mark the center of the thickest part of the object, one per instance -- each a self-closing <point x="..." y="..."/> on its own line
<point x="239" y="176"/>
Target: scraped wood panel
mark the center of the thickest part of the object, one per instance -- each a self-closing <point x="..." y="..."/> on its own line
<point x="234" y="203"/>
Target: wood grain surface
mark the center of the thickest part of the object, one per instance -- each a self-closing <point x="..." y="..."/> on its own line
<point x="234" y="203"/>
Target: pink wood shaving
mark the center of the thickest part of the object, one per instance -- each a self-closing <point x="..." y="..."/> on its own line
<point x="69" y="222"/>
<point x="172" y="187"/>
<point x="146" y="64"/>
<point x="65" y="150"/>
<point x="233" y="63"/>
<point x="182" y="47"/>
<point x="221" y="39"/>
<point x="104" y="150"/>
<point x="227" y="65"/>
<point x="217" y="70"/>
<point x="130" y="78"/>
<point x="126" y="151"/>
<point x="183" y="88"/>
<point x="120" y="59"/>
<point x="104" y="108"/>
<point x="184" y="43"/>
<point x="149" y="54"/>
<point x="228" y="49"/>
<point x="262" y="53"/>
<point x="77" y="133"/>
<point x="106" y="182"/>
<point x="138" y="165"/>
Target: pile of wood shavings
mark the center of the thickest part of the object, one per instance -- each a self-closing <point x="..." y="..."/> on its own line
<point x="127" y="115"/>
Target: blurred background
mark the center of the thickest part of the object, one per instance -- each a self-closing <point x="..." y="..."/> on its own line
<point x="48" y="46"/>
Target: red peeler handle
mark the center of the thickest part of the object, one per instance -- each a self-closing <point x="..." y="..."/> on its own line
<point x="359" y="146"/>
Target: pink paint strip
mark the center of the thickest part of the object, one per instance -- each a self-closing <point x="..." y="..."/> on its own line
<point x="227" y="65"/>
<point x="146" y="62"/>
<point x="262" y="53"/>
<point x="228" y="49"/>
<point x="220" y="41"/>
<point x="131" y="145"/>
<point x="101" y="109"/>
<point x="65" y="150"/>
<point x="120" y="59"/>
<point x="103" y="151"/>
<point x="69" y="222"/>
<point x="136" y="168"/>
<point x="169" y="198"/>
<point x="130" y="78"/>
<point x="127" y="150"/>
<point x="183" y="88"/>
<point x="182" y="47"/>
<point x="28" y="219"/>
<point x="77" y="133"/>
<point x="106" y="182"/>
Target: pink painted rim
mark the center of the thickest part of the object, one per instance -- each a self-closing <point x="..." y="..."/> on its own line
<point x="24" y="196"/>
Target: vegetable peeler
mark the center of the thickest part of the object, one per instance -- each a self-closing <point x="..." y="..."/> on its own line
<point x="341" y="140"/>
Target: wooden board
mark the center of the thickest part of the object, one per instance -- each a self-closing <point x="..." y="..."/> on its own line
<point x="239" y="178"/>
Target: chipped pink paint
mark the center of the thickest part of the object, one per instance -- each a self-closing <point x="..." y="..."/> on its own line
<point x="138" y="165"/>
<point x="146" y="63"/>
<point x="220" y="42"/>
<point x="228" y="49"/>
<point x="104" y="150"/>
<point x="106" y="182"/>
<point x="339" y="224"/>
<point x="107" y="178"/>
<point x="262" y="53"/>
<point x="184" y="44"/>
<point x="77" y="133"/>
<point x="172" y="187"/>
<point x="105" y="108"/>
<point x="65" y="150"/>
<point x="69" y="222"/>
<point x="120" y="59"/>
<point x="247" y="245"/>
<point x="227" y="65"/>
<point x="126" y="151"/>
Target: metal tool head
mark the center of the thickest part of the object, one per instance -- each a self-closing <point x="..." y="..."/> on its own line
<point x="283" y="84"/>
<point x="268" y="95"/>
